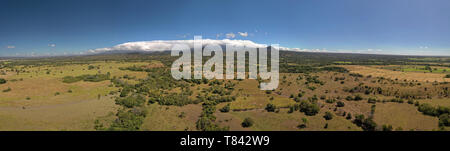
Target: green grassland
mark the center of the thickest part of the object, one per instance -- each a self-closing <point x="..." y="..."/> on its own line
<point x="136" y="92"/>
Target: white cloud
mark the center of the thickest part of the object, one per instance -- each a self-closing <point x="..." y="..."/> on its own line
<point x="52" y="45"/>
<point x="230" y="35"/>
<point x="162" y="45"/>
<point x="10" y="47"/>
<point x="243" y="34"/>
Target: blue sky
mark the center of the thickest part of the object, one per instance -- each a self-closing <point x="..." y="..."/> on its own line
<point x="407" y="27"/>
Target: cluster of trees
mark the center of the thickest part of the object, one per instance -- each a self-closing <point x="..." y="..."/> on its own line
<point x="328" y="115"/>
<point x="206" y="122"/>
<point x="310" y="108"/>
<point x="366" y="124"/>
<point x="127" y="120"/>
<point x="443" y="113"/>
<point x="135" y="100"/>
<point x="226" y="108"/>
<point x="335" y="69"/>
<point x="86" y="77"/>
<point x="175" y="99"/>
<point x="313" y="79"/>
<point x="354" y="98"/>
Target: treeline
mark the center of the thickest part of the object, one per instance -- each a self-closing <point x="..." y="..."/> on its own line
<point x="441" y="112"/>
<point x="290" y="68"/>
<point x="86" y="77"/>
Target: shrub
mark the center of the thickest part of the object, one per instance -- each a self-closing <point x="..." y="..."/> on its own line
<point x="358" y="98"/>
<point x="248" y="122"/>
<point x="328" y="115"/>
<point x="340" y="104"/>
<point x="2" y="81"/>
<point x="270" y="107"/>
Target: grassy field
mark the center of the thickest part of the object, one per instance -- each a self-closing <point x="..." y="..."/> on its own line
<point x="39" y="100"/>
<point x="139" y="94"/>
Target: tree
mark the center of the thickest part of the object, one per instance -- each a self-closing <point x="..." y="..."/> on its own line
<point x="248" y="122"/>
<point x="328" y="115"/>
<point x="226" y="108"/>
<point x="308" y="108"/>
<point x="349" y="116"/>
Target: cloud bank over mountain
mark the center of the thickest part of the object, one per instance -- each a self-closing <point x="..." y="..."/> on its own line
<point x="162" y="45"/>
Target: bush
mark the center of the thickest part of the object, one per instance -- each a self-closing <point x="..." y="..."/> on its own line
<point x="270" y="107"/>
<point x="340" y="104"/>
<point x="328" y="115"/>
<point x="2" y="81"/>
<point x="248" y="122"/>
<point x="131" y="101"/>
<point x="447" y="76"/>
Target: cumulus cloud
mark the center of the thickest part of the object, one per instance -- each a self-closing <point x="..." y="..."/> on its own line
<point x="10" y="47"/>
<point x="52" y="45"/>
<point x="243" y="34"/>
<point x="230" y="35"/>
